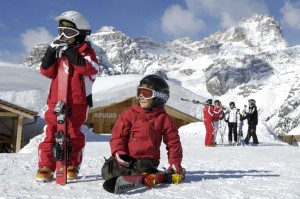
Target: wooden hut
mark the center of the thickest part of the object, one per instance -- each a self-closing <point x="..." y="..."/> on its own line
<point x="102" y="119"/>
<point x="290" y="139"/>
<point x="11" y="125"/>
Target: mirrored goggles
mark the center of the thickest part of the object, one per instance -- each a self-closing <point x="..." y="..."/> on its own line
<point x="148" y="93"/>
<point x="67" y="32"/>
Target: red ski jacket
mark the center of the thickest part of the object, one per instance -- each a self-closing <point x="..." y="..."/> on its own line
<point x="208" y="113"/>
<point x="218" y="113"/>
<point x="140" y="132"/>
<point x="82" y="77"/>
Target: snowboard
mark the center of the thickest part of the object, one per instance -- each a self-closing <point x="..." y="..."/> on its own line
<point x="61" y="149"/>
<point x="123" y="184"/>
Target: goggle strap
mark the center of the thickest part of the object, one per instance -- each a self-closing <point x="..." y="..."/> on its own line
<point x="161" y="95"/>
<point x="85" y="32"/>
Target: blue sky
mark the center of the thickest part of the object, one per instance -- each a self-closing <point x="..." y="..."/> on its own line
<point x="24" y="23"/>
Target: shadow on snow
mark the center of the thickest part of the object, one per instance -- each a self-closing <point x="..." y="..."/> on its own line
<point x="226" y="174"/>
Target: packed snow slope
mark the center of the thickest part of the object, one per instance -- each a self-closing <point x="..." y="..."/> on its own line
<point x="270" y="170"/>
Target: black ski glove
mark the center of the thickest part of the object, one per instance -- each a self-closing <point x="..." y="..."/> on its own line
<point x="123" y="159"/>
<point x="74" y="57"/>
<point x="49" y="58"/>
<point x="176" y="168"/>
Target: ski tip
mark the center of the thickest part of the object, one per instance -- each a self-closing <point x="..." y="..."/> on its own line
<point x="109" y="185"/>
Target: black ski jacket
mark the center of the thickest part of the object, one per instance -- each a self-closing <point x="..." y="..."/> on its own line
<point x="252" y="116"/>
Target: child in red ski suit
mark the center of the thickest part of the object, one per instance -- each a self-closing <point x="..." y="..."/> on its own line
<point x="139" y="131"/>
<point x="83" y="68"/>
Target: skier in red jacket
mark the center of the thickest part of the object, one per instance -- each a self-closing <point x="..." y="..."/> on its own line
<point x="218" y="116"/>
<point x="138" y="133"/>
<point x="208" y="113"/>
<point x="83" y="68"/>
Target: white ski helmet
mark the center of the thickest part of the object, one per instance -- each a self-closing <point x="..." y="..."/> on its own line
<point x="78" y="19"/>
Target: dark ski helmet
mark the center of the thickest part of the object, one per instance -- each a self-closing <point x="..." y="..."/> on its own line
<point x="232" y="103"/>
<point x="209" y="102"/>
<point x="217" y="101"/>
<point x="252" y="102"/>
<point x="158" y="84"/>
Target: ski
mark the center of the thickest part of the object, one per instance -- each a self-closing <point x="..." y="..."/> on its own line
<point x="240" y="135"/>
<point x="122" y="184"/>
<point x="222" y="132"/>
<point x="62" y="149"/>
<point x="241" y="140"/>
<point x="193" y="101"/>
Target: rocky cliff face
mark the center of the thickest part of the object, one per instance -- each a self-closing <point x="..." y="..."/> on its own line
<point x="242" y="53"/>
<point x="246" y="58"/>
<point x="288" y="115"/>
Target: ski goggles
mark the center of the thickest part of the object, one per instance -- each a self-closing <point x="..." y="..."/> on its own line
<point x="67" y="32"/>
<point x="148" y="93"/>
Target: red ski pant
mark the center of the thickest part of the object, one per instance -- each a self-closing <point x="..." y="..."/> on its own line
<point x="77" y="138"/>
<point x="209" y="137"/>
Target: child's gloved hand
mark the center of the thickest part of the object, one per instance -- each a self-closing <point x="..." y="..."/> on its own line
<point x="58" y="44"/>
<point x="176" y="167"/>
<point x="123" y="158"/>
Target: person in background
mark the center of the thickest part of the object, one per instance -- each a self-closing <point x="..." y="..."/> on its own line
<point x="83" y="68"/>
<point x="208" y="113"/>
<point x="138" y="133"/>
<point x="252" y="117"/>
<point x="218" y="116"/>
<point x="232" y="122"/>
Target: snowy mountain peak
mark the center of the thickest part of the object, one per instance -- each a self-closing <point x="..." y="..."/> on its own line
<point x="260" y="31"/>
<point x="106" y="29"/>
<point x="36" y="54"/>
<point x="263" y="30"/>
<point x="122" y="54"/>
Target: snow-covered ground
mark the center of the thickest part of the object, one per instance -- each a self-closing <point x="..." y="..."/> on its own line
<point x="270" y="170"/>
